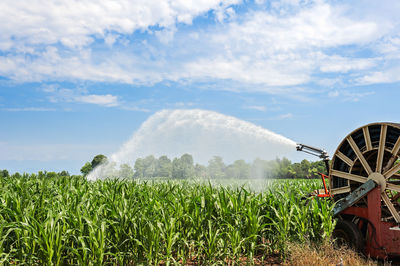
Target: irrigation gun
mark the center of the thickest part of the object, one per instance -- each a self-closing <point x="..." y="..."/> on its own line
<point x="364" y="182"/>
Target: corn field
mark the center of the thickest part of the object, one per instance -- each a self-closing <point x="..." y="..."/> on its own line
<point x="69" y="220"/>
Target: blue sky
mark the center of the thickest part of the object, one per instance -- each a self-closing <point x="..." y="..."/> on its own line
<point x="77" y="78"/>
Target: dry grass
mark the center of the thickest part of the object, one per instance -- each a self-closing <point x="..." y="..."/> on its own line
<point x="325" y="255"/>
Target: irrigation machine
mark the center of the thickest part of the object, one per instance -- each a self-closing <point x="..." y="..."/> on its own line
<point x="364" y="182"/>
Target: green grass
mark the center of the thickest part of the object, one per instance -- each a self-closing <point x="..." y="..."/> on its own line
<point x="65" y="220"/>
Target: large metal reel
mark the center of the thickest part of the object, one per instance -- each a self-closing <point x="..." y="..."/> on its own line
<point x="369" y="152"/>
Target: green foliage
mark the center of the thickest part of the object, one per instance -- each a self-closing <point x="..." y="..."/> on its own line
<point x="149" y="165"/>
<point x="239" y="169"/>
<point x="125" y="171"/>
<point x="63" y="173"/>
<point x="183" y="168"/>
<point x="139" y="168"/>
<point x="164" y="167"/>
<point x="4" y="173"/>
<point x="200" y="171"/>
<point x="51" y="174"/>
<point x="69" y="221"/>
<point x="216" y="168"/>
<point x="98" y="159"/>
<point x="86" y="168"/>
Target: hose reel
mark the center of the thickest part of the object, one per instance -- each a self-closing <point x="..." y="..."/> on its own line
<point x="369" y="152"/>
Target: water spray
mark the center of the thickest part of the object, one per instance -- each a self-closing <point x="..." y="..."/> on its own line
<point x="201" y="133"/>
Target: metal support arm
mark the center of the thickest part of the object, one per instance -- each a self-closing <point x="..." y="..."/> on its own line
<point x="316" y="152"/>
<point x="353" y="197"/>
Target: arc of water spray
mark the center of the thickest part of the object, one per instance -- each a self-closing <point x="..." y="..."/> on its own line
<point x="201" y="133"/>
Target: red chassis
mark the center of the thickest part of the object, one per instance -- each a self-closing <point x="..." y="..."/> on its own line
<point x="382" y="238"/>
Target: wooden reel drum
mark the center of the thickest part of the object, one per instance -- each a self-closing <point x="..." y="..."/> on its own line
<point x="369" y="152"/>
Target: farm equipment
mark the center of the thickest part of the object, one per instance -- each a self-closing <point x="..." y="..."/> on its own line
<point x="364" y="182"/>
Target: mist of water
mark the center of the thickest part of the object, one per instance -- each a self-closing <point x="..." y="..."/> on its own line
<point x="201" y="133"/>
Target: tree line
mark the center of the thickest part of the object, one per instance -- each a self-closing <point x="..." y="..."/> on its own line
<point x="184" y="167"/>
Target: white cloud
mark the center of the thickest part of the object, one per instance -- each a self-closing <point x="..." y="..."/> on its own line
<point x="349" y="96"/>
<point x="286" y="116"/>
<point x="265" y="50"/>
<point x="256" y="107"/>
<point x="389" y="75"/>
<point x="110" y="39"/>
<point x="282" y="116"/>
<point x="57" y="94"/>
<point x="340" y="64"/>
<point x="333" y="94"/>
<point x="29" y="109"/>
<point x="80" y="95"/>
<point x="77" y="23"/>
<point x="129" y="107"/>
<point x="320" y="25"/>
<point x="389" y="68"/>
<point x="181" y="105"/>
<point x="274" y="50"/>
<point x="105" y="100"/>
<point x="273" y="72"/>
<point x="390" y="47"/>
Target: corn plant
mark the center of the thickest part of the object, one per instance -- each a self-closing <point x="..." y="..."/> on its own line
<point x="69" y="220"/>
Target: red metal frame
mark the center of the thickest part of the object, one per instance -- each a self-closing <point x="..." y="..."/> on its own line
<point x="381" y="241"/>
<point x="327" y="193"/>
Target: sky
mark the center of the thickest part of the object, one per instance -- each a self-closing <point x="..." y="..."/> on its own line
<point x="77" y="78"/>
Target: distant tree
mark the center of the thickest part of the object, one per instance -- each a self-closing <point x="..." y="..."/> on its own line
<point x="139" y="168"/>
<point x="164" y="167"/>
<point x="259" y="169"/>
<point x="305" y="166"/>
<point x="63" y="173"/>
<point x="200" y="170"/>
<point x="98" y="159"/>
<point x="177" y="168"/>
<point x="41" y="174"/>
<point x="51" y="174"/>
<point x="86" y="168"/>
<point x="320" y="166"/>
<point x="283" y="168"/>
<point x="183" y="167"/>
<point x="187" y="165"/>
<point x="239" y="169"/>
<point x="216" y="167"/>
<point x="149" y="165"/>
<point x="17" y="175"/>
<point x="125" y="171"/>
<point x="4" y="173"/>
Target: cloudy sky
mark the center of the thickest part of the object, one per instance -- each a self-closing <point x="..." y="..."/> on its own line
<point x="77" y="78"/>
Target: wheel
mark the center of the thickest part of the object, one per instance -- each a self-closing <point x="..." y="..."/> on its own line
<point x="347" y="233"/>
<point x="369" y="152"/>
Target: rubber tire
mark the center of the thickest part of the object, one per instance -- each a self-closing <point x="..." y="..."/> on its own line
<point x="347" y="233"/>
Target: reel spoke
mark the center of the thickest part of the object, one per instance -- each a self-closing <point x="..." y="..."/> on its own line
<point x="367" y="138"/>
<point x="381" y="149"/>
<point x="393" y="187"/>
<point x="390" y="206"/>
<point x="359" y="155"/>
<point x="344" y="158"/>
<point x="389" y="173"/>
<point x="396" y="147"/>
<point x="393" y="156"/>
<point x="357" y="178"/>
